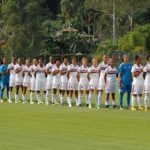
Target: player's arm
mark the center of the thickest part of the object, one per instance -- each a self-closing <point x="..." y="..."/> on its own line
<point x="63" y="72"/>
<point x="137" y="73"/>
<point x="105" y="78"/>
<point x="55" y="72"/>
<point x="78" y="76"/>
<point x="17" y="70"/>
<point x="48" y="71"/>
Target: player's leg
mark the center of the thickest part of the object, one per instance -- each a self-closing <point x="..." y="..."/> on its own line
<point x="38" y="96"/>
<point x="7" y="87"/>
<point x="2" y="91"/>
<point x="140" y="101"/>
<point x="16" y="94"/>
<point x="90" y="96"/>
<point x="134" y="96"/>
<point x="87" y="97"/>
<point x="128" y="95"/>
<point x="80" y="94"/>
<point x="69" y="99"/>
<point x="97" y="98"/>
<point x="24" y="94"/>
<point x="107" y="100"/>
<point x="31" y="97"/>
<point x="113" y="100"/>
<point x="146" y="97"/>
<point x="100" y="96"/>
<point x="54" y="95"/>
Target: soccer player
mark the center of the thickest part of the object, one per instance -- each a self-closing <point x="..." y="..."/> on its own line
<point x="64" y="79"/>
<point x="11" y="70"/>
<point x="103" y="66"/>
<point x="33" y="81"/>
<point x="56" y="79"/>
<point x="49" y="80"/>
<point x="26" y="79"/>
<point x="73" y="81"/>
<point x="93" y="84"/>
<point x="4" y="79"/>
<point x="18" y="78"/>
<point x="125" y="80"/>
<point x="40" y="74"/>
<point x="147" y="82"/>
<point x="83" y="81"/>
<point x="138" y="82"/>
<point x="111" y="83"/>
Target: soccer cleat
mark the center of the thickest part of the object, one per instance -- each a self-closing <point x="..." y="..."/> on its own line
<point x="97" y="107"/>
<point x="70" y="105"/>
<point x="141" y="108"/>
<point x="90" y="106"/>
<point x="1" y="101"/>
<point x="87" y="105"/>
<point x="107" y="106"/>
<point x="146" y="109"/>
<point x="31" y="103"/>
<point x="46" y="103"/>
<point x="56" y="103"/>
<point x="133" y="109"/>
<point x="40" y="102"/>
<point x="114" y="106"/>
<point x="24" y="102"/>
<point x="9" y="101"/>
<point x="121" y="108"/>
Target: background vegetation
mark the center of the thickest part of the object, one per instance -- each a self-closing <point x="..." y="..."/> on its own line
<point x="38" y="28"/>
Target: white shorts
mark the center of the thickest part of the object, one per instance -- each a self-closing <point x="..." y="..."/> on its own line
<point x="26" y="83"/>
<point x="83" y="87"/>
<point x="49" y="83"/>
<point x="111" y="87"/>
<point x="19" y="83"/>
<point x="40" y="85"/>
<point x="101" y="85"/>
<point x="64" y="86"/>
<point x="93" y="86"/>
<point x="12" y="82"/>
<point x="73" y="86"/>
<point x="147" y="87"/>
<point x="32" y="84"/>
<point x="56" y="86"/>
<point x="137" y="88"/>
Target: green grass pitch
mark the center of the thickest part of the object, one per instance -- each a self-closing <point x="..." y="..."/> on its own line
<point x="41" y="127"/>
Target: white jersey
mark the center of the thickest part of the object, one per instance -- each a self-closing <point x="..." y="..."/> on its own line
<point x="83" y="75"/>
<point x="18" y="76"/>
<point x="102" y="67"/>
<point x="56" y="78"/>
<point x="136" y="68"/>
<point x="64" y="69"/>
<point x="111" y="74"/>
<point x="73" y="69"/>
<point x="49" y="67"/>
<point x="147" y="71"/>
<point x="94" y="75"/>
<point x="26" y="71"/>
<point x="40" y="72"/>
<point x="32" y="70"/>
<point x="11" y="68"/>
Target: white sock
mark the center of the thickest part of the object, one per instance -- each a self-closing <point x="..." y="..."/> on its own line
<point x="38" y="98"/>
<point x="113" y="102"/>
<point x="100" y="97"/>
<point x="140" y="100"/>
<point x="146" y="101"/>
<point x="16" y="98"/>
<point x="61" y="99"/>
<point x="133" y="100"/>
<point x="53" y="98"/>
<point x="31" y="97"/>
<point x="87" y="99"/>
<point x="76" y="101"/>
<point x="79" y="99"/>
<point x="97" y="100"/>
<point x="9" y="95"/>
<point x="106" y="102"/>
<point x="90" y="97"/>
<point x="23" y="98"/>
<point x="69" y="101"/>
<point x="47" y="96"/>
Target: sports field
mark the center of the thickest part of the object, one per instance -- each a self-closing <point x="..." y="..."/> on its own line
<point x="41" y="127"/>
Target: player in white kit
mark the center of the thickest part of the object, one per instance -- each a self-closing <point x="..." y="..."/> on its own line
<point x="94" y="78"/>
<point x="138" y="82"/>
<point x="11" y="69"/>
<point x="49" y="79"/>
<point x="147" y="82"/>
<point x="111" y="83"/>
<point x="40" y="75"/>
<point x="56" y="79"/>
<point x="64" y="79"/>
<point x="26" y="79"/>
<point x="83" y="81"/>
<point x="73" y="81"/>
<point x="32" y="81"/>
<point x="102" y="66"/>
<point x="18" y="78"/>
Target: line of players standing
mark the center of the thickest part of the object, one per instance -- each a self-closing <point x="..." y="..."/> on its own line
<point x="71" y="79"/>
